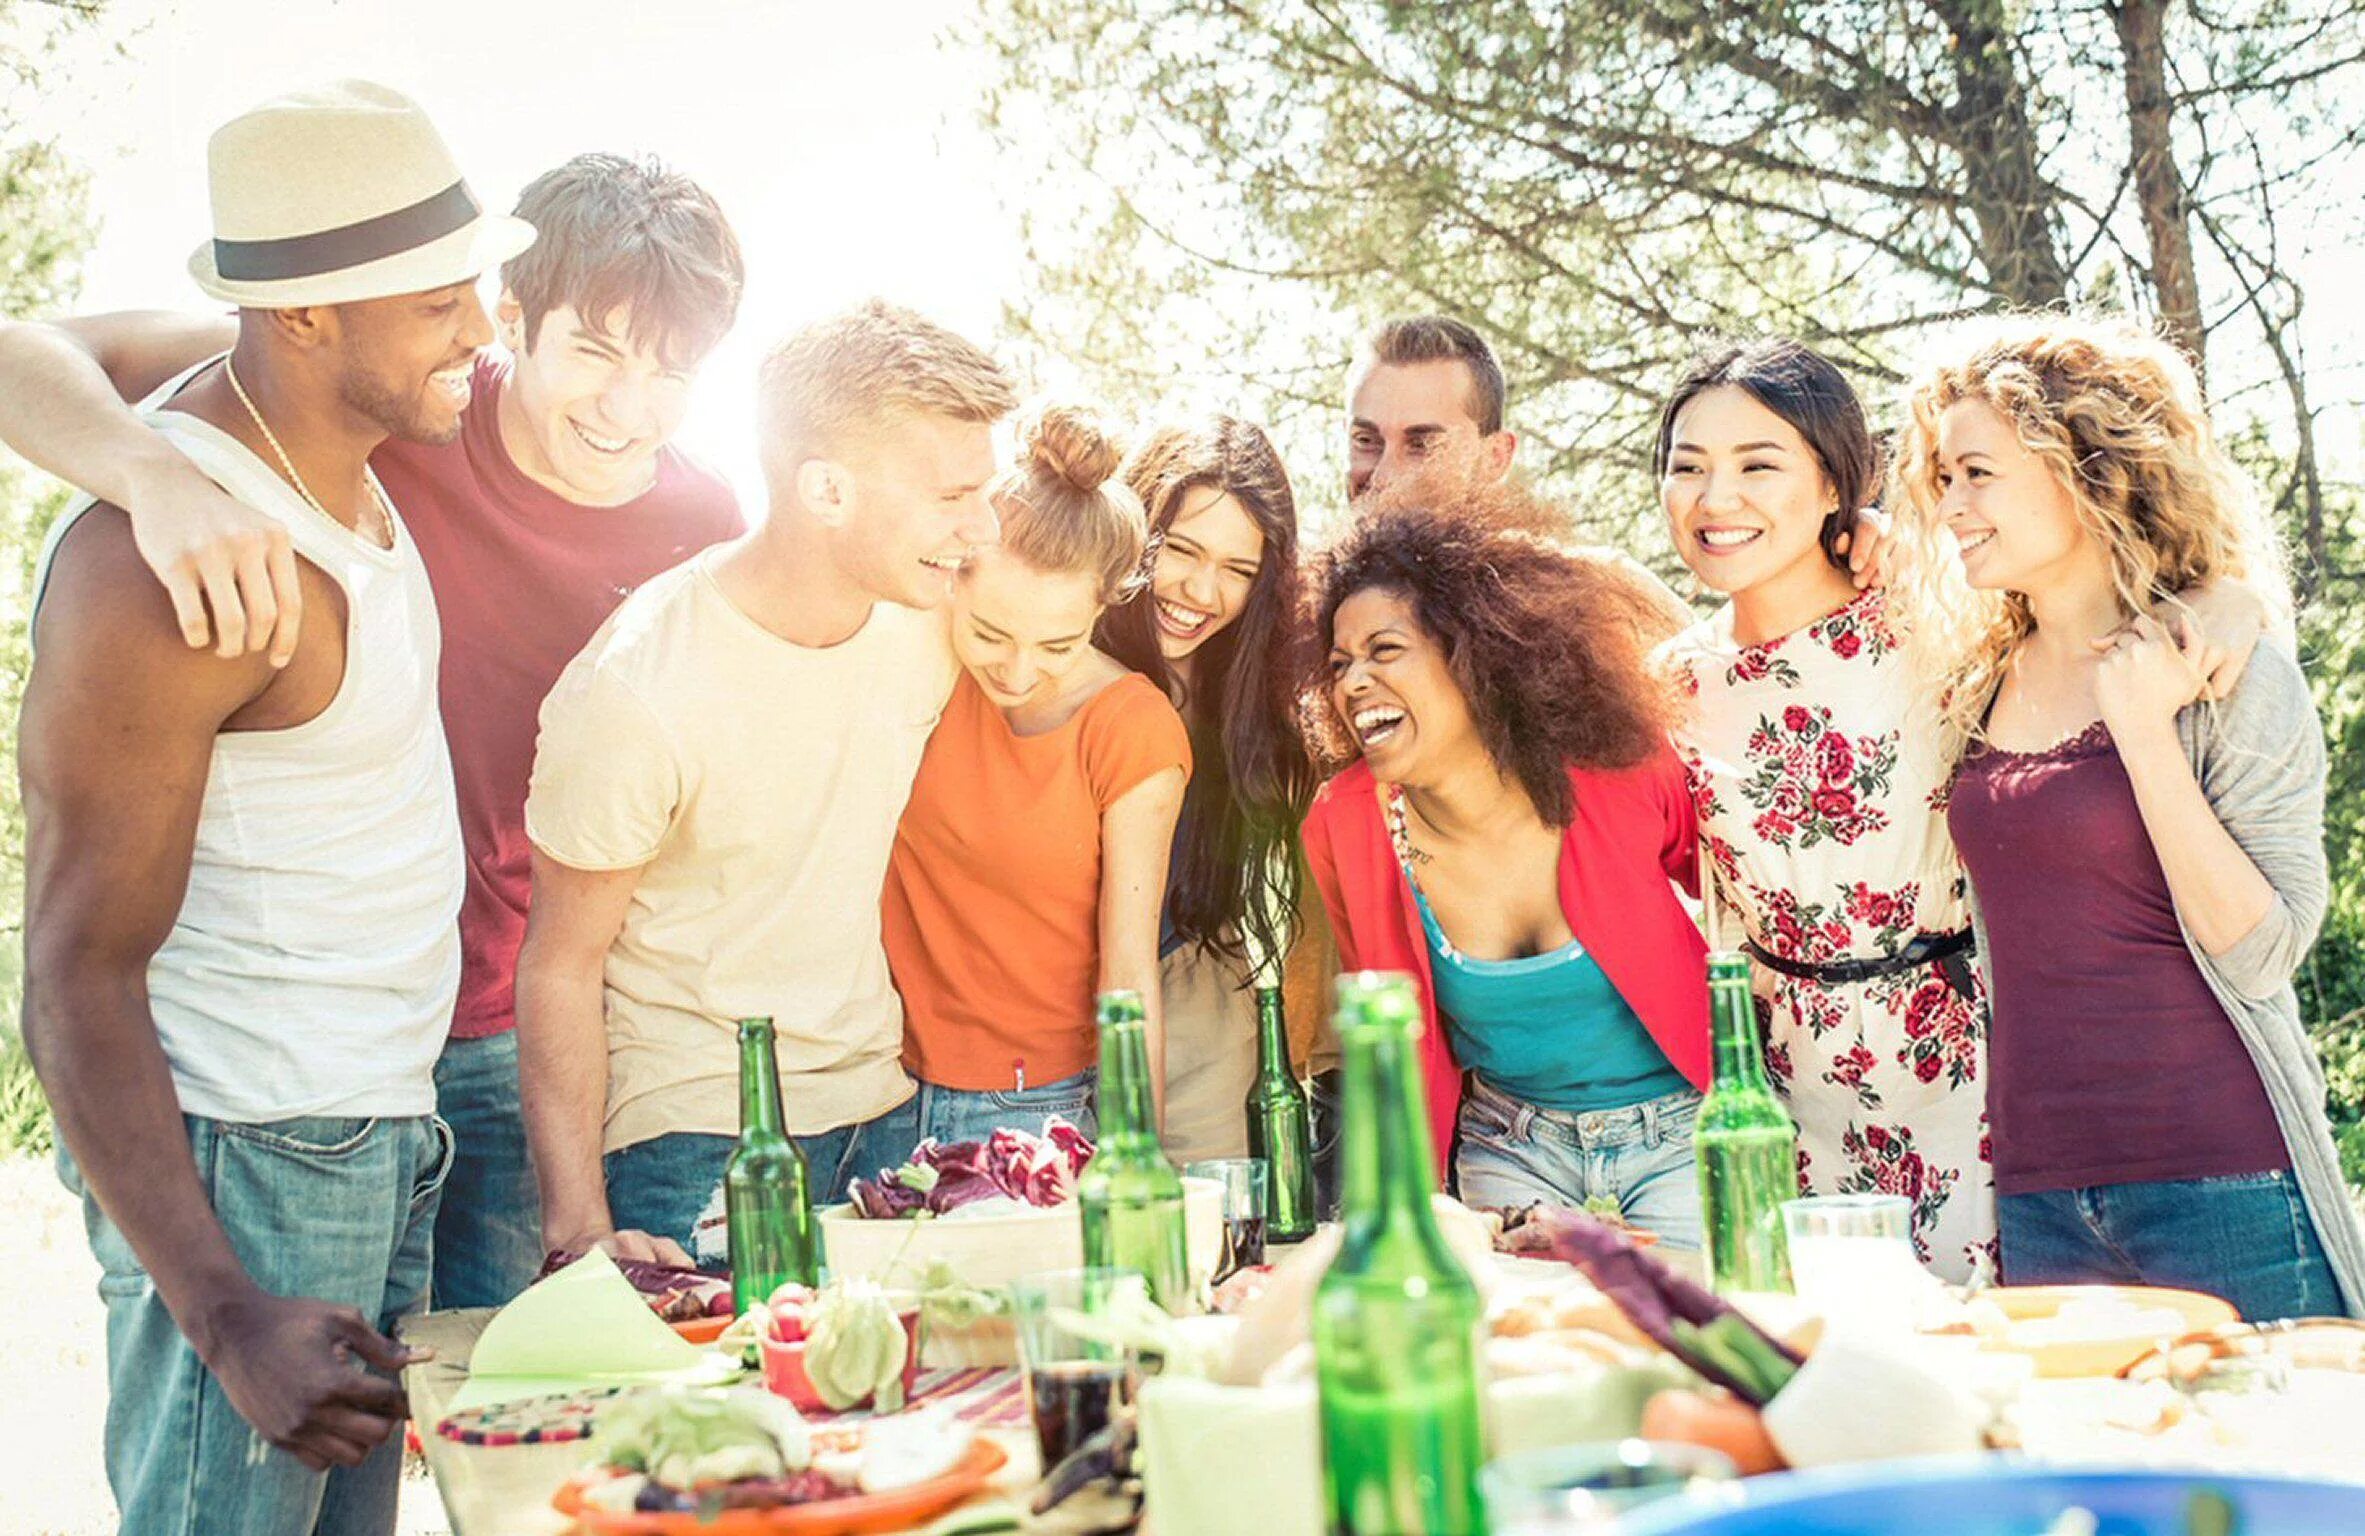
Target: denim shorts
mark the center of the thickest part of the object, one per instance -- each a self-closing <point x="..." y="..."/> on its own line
<point x="1510" y="1153"/>
<point x="2247" y="1238"/>
<point x="342" y="1210"/>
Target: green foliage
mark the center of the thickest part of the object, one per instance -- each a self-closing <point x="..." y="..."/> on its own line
<point x="45" y="228"/>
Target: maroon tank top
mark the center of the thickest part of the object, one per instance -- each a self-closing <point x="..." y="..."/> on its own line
<point x="2110" y="1060"/>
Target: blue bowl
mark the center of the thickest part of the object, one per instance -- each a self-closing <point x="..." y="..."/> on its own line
<point x="1995" y="1496"/>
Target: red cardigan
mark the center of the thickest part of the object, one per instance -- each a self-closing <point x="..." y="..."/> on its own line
<point x="1634" y="831"/>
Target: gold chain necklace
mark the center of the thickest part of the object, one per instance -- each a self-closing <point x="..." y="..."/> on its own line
<point x="382" y="535"/>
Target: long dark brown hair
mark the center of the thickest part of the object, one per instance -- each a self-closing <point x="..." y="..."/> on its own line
<point x="1233" y="888"/>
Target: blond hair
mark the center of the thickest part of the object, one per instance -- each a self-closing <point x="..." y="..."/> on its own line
<point x="831" y="385"/>
<point x="2116" y="415"/>
<point x="1062" y="512"/>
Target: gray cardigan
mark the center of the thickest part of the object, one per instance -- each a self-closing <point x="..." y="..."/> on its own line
<point x="2259" y="757"/>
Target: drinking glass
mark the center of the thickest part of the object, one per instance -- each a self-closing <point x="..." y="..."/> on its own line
<point x="1851" y="1256"/>
<point x="1569" y="1488"/>
<point x="1075" y="1379"/>
<point x="1247" y="1188"/>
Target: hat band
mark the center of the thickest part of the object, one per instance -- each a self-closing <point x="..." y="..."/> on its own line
<point x="348" y="245"/>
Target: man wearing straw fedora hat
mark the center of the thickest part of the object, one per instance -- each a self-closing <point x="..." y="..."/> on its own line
<point x="242" y="879"/>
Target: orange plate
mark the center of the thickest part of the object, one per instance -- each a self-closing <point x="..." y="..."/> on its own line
<point x="2098" y="1357"/>
<point x="855" y="1515"/>
<point x="701" y="1330"/>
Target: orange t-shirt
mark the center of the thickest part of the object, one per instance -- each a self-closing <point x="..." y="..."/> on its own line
<point x="993" y="893"/>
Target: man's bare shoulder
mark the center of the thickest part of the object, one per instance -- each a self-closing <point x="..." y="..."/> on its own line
<point x="102" y="615"/>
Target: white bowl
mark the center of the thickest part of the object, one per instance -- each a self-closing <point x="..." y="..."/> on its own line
<point x="991" y="1251"/>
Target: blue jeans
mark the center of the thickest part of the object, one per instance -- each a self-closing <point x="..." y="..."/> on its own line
<point x="964" y="1114"/>
<point x="488" y="1237"/>
<point x="338" y="1209"/>
<point x="672" y="1185"/>
<point x="2247" y="1238"/>
<point x="1510" y="1153"/>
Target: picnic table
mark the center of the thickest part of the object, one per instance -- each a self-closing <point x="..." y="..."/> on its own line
<point x="506" y="1490"/>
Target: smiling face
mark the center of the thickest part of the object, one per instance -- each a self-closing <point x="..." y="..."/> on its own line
<point x="2015" y="522"/>
<point x="1020" y="632"/>
<point x="586" y="410"/>
<point x="914" y="506"/>
<point x="1419" y="419"/>
<point x="1746" y="497"/>
<point x="1206" y="567"/>
<point x="1391" y="684"/>
<point x="405" y="362"/>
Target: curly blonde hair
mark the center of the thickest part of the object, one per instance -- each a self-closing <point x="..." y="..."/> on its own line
<point x="2116" y="414"/>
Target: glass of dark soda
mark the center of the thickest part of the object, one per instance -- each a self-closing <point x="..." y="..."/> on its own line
<point x="1246" y="1183"/>
<point x="1077" y="1377"/>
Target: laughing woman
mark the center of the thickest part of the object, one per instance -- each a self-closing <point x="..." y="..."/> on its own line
<point x="1217" y="631"/>
<point x="1031" y="859"/>
<point x="2148" y="871"/>
<point x="1509" y="837"/>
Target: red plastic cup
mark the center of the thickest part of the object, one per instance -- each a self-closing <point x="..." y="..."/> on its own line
<point x="785" y="1374"/>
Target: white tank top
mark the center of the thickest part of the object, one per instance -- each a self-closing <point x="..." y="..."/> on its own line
<point x="313" y="964"/>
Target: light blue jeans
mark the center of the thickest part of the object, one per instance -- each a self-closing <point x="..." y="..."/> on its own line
<point x="964" y="1114"/>
<point x="2247" y="1238"/>
<point x="672" y="1185"/>
<point x="1510" y="1153"/>
<point x="488" y="1234"/>
<point x="341" y="1210"/>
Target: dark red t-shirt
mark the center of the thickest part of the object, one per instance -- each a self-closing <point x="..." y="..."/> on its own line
<point x="522" y="578"/>
<point x="2109" y="1059"/>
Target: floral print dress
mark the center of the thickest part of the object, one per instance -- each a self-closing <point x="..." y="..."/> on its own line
<point x="1822" y="804"/>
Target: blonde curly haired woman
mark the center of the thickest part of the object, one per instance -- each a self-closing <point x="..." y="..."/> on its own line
<point x="2147" y="867"/>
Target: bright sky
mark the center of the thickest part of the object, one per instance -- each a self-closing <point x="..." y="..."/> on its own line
<point x="839" y="136"/>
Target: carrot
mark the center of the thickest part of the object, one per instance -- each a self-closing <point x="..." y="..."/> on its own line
<point x="1716" y="1419"/>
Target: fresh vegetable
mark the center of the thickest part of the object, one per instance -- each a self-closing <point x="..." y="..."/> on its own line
<point x="1717" y="1420"/>
<point x="673" y="1293"/>
<point x="1680" y="1316"/>
<point x="855" y="1346"/>
<point x="1009" y="1165"/>
<point x="683" y="1438"/>
<point x="787" y="1312"/>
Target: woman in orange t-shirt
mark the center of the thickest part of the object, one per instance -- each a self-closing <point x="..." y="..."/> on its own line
<point x="1030" y="864"/>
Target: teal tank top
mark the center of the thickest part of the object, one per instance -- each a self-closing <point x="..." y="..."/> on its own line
<point x="1548" y="1030"/>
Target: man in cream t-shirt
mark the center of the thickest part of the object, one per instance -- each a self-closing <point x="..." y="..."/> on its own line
<point x="715" y="796"/>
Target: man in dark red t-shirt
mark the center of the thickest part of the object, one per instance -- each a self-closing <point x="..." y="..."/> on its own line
<point x="560" y="496"/>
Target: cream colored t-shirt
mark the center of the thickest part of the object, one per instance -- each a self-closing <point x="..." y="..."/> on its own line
<point x="756" y="785"/>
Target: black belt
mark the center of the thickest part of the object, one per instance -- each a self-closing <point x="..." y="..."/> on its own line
<point x="1922" y="949"/>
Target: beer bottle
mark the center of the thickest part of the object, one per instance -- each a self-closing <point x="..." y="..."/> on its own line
<point x="1278" y="1128"/>
<point x="1396" y="1318"/>
<point x="765" y="1198"/>
<point x="1746" y="1144"/>
<point x="1130" y="1197"/>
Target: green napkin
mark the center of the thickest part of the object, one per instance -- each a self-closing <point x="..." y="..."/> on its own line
<point x="582" y="1327"/>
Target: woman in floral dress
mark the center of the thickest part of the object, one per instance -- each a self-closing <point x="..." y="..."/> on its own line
<point x="1822" y="806"/>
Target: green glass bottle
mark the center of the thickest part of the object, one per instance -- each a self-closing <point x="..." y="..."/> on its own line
<point x="1746" y="1144"/>
<point x="1279" y="1130"/>
<point x="1130" y="1197"/>
<point x="1396" y="1318"/>
<point x="765" y="1193"/>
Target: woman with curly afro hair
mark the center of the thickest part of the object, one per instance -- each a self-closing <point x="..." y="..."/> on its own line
<point x="1509" y="837"/>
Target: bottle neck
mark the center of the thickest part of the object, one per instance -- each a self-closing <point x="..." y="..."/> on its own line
<point x="1386" y="1171"/>
<point x="1272" y="1034"/>
<point x="1739" y="1055"/>
<point x="1124" y="1108"/>
<point x="759" y="1083"/>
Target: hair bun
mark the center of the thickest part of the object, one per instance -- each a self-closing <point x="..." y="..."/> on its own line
<point x="1072" y="443"/>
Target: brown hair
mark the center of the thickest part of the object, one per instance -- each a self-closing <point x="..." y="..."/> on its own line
<point x="828" y="386"/>
<point x="631" y="234"/>
<point x="1061" y="512"/>
<point x="1233" y="889"/>
<point x="1549" y="647"/>
<point x="1440" y="339"/>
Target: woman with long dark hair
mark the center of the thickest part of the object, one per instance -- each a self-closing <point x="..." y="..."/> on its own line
<point x="1217" y="630"/>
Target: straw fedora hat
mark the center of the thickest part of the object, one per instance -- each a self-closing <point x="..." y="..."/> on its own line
<point x="341" y="194"/>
